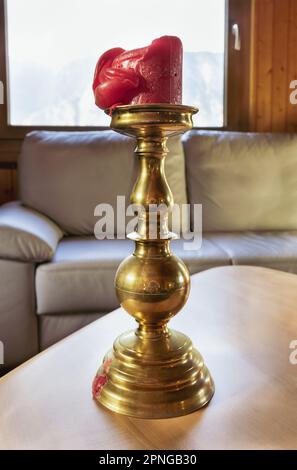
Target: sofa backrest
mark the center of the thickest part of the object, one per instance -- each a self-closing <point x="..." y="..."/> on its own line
<point x="244" y="181"/>
<point x="64" y="175"/>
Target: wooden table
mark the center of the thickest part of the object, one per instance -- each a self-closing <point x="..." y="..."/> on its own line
<point x="242" y="319"/>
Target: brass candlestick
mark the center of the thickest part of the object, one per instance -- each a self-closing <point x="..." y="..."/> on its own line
<point x="152" y="372"/>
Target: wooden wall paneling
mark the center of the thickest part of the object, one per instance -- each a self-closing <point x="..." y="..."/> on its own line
<point x="252" y="68"/>
<point x="6" y="185"/>
<point x="273" y="65"/>
<point x="14" y="183"/>
<point x="9" y="150"/>
<point x="238" y="75"/>
<point x="292" y="65"/>
<point x="280" y="81"/>
<point x="263" y="65"/>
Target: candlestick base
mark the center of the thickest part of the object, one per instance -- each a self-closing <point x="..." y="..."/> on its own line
<point x="155" y="378"/>
<point x="152" y="372"/>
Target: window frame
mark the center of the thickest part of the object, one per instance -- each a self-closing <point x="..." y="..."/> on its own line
<point x="236" y="84"/>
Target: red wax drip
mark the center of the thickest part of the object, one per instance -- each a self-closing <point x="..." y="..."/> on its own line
<point x="151" y="74"/>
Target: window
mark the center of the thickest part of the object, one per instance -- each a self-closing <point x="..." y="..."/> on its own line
<point x="53" y="46"/>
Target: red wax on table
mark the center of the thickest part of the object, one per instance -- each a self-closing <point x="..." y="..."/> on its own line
<point x="152" y="74"/>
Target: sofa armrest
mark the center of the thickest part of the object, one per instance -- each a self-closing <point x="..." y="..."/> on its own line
<point x="27" y="235"/>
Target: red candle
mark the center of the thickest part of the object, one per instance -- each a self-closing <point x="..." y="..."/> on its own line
<point x="152" y="74"/>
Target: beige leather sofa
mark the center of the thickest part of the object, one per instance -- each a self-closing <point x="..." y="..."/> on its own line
<point x="56" y="277"/>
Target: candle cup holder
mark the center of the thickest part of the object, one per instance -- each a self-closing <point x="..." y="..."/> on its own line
<point x="153" y="371"/>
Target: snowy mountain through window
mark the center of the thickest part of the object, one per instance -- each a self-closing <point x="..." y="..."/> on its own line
<point x="53" y="46"/>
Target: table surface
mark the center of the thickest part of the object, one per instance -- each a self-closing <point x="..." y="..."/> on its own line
<point x="242" y="319"/>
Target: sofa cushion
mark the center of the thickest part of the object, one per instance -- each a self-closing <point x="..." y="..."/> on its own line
<point x="27" y="235"/>
<point x="65" y="175"/>
<point x="80" y="277"/>
<point x="18" y="322"/>
<point x="53" y="328"/>
<point x="276" y="250"/>
<point x="244" y="181"/>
